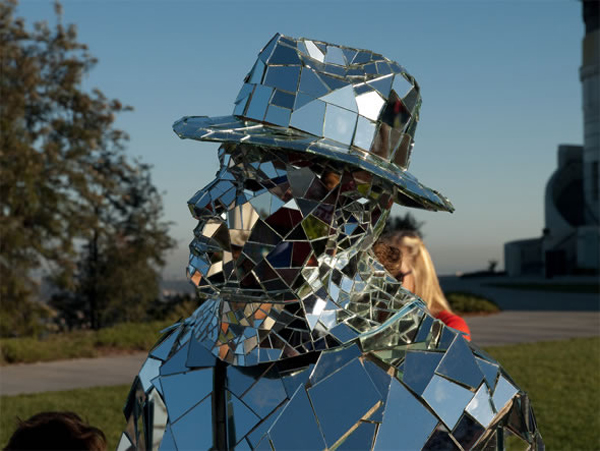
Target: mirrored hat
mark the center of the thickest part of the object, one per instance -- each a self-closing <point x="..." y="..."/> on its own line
<point x="350" y="105"/>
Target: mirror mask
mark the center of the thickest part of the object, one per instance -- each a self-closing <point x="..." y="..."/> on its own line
<point x="271" y="216"/>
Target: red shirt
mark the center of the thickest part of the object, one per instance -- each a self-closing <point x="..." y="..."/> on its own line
<point x="455" y="322"/>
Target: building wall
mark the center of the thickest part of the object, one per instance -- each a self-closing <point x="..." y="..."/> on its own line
<point x="563" y="193"/>
<point x="523" y="257"/>
<point x="590" y="83"/>
<point x="588" y="246"/>
<point x="571" y="240"/>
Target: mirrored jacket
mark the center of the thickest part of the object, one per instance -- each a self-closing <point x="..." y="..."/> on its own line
<point x="412" y="383"/>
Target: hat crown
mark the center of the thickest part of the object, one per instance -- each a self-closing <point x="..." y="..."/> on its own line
<point x="349" y="105"/>
<point x="356" y="98"/>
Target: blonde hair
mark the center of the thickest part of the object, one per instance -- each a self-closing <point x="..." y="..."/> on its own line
<point x="417" y="258"/>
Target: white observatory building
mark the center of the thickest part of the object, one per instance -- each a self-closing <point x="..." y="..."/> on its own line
<point x="570" y="244"/>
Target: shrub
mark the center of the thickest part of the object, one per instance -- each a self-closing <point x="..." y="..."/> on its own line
<point x="463" y="302"/>
<point x="128" y="337"/>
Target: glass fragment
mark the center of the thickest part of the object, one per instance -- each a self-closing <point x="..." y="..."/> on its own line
<point x="406" y="423"/>
<point x="448" y="400"/>
<point x="301" y="338"/>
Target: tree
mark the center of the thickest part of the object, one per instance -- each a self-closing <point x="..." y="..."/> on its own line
<point x="64" y="177"/>
<point x="118" y="277"/>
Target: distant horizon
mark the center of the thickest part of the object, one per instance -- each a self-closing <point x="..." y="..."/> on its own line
<point x="499" y="82"/>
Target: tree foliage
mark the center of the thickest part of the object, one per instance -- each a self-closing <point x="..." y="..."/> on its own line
<point x="71" y="203"/>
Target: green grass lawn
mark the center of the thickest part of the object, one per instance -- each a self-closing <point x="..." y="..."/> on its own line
<point x="100" y="407"/>
<point x="562" y="378"/>
<point x="556" y="287"/>
<point x="563" y="382"/>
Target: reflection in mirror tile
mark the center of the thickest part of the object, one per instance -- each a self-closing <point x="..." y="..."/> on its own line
<point x="407" y="423"/>
<point x="297" y="426"/>
<point x="156" y="424"/>
<point x="266" y="395"/>
<point x="301" y="338"/>
<point x="194" y="429"/>
<point x="331" y="362"/>
<point x="175" y="364"/>
<point x="467" y="432"/>
<point x="177" y="389"/>
<point x="419" y="368"/>
<point x="480" y="407"/>
<point x="503" y="393"/>
<point x="489" y="370"/>
<point x="167" y="443"/>
<point x="441" y="439"/>
<point x="124" y="443"/>
<point x="339" y="124"/>
<point x="459" y="364"/>
<point x="360" y="438"/>
<point x="447" y="399"/>
<point x="241" y="418"/>
<point x="148" y="372"/>
<point x="337" y="411"/>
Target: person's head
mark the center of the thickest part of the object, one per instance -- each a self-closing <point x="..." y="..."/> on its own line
<point x="56" y="431"/>
<point x="416" y="270"/>
<point x="271" y="216"/>
<point x="313" y="157"/>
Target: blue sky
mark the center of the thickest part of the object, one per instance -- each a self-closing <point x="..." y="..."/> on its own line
<point x="499" y="81"/>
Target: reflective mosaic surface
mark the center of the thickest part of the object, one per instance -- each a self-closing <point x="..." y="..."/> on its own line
<point x="410" y="383"/>
<point x="302" y="340"/>
<point x="346" y="104"/>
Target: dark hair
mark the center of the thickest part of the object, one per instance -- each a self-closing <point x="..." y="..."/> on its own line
<point x="54" y="431"/>
<point x="388" y="256"/>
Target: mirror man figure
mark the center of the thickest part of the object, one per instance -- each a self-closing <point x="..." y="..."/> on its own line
<point x="303" y="340"/>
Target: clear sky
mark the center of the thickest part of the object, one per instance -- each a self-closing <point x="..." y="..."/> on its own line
<point x="499" y="81"/>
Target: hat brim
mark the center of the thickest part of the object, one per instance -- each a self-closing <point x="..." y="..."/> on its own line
<point x="233" y="129"/>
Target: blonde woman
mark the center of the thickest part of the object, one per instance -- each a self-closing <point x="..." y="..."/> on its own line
<point x="415" y="268"/>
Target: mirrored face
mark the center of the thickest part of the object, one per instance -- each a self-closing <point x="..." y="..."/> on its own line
<point x="272" y="216"/>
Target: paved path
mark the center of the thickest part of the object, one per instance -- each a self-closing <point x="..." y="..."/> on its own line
<point x="502" y="328"/>
<point x="513" y="327"/>
<point x="69" y="374"/>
